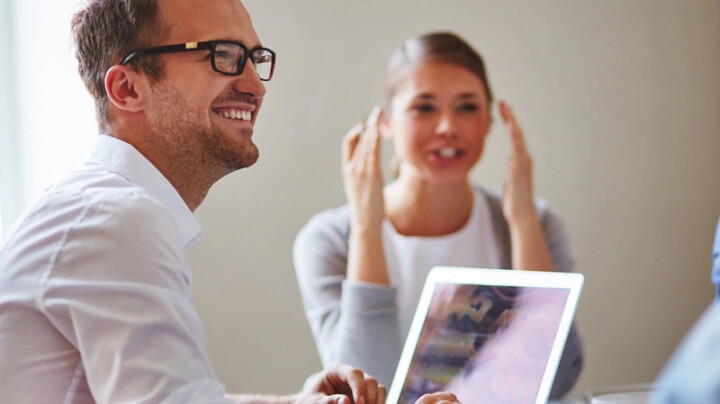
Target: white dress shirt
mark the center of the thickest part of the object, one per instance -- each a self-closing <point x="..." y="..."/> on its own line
<point x="95" y="291"/>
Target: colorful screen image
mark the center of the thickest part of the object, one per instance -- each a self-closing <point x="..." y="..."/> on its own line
<point x="486" y="344"/>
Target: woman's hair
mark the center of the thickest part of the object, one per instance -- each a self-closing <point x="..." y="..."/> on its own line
<point x="106" y="31"/>
<point x="434" y="46"/>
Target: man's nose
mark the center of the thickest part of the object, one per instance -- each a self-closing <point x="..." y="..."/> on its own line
<point x="249" y="82"/>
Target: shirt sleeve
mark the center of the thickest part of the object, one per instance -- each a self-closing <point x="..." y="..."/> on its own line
<point x="352" y="322"/>
<point x="716" y="262"/>
<point x="119" y="291"/>
<point x="571" y="361"/>
<point x="692" y="375"/>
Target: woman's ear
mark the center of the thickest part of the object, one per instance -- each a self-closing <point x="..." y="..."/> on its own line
<point x="125" y="88"/>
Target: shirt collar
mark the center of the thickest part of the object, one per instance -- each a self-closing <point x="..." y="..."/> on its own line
<point x="122" y="158"/>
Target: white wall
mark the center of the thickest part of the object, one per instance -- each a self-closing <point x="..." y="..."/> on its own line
<point x="620" y="102"/>
<point x="9" y="202"/>
<point x="50" y="126"/>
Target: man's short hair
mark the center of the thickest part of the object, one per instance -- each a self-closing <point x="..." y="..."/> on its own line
<point x="106" y="31"/>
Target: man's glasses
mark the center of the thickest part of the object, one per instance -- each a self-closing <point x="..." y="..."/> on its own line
<point x="227" y="57"/>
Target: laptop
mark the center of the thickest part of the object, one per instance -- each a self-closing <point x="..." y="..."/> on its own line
<point x="487" y="335"/>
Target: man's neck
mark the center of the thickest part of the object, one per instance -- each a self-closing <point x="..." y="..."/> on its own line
<point x="191" y="176"/>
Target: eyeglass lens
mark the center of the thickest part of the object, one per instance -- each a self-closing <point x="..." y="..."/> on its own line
<point x="228" y="55"/>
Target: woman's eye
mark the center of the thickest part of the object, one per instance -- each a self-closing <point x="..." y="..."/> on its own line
<point x="468" y="107"/>
<point x="424" y="108"/>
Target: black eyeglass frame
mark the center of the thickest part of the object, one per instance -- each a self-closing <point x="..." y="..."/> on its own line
<point x="209" y="45"/>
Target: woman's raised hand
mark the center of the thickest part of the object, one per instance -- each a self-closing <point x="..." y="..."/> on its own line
<point x="362" y="175"/>
<point x="529" y="248"/>
<point x="518" y="205"/>
<point x="363" y="183"/>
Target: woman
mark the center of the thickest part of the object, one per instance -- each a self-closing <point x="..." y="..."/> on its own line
<point x="361" y="267"/>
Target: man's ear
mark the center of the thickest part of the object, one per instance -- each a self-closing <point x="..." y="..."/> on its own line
<point x="126" y="88"/>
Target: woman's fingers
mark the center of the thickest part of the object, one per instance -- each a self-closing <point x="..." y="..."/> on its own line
<point x="372" y="132"/>
<point x="363" y="139"/>
<point x="518" y="203"/>
<point x="362" y="175"/>
<point x="350" y="142"/>
<point x="513" y="127"/>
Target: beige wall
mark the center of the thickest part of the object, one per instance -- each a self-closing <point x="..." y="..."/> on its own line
<point x="620" y="101"/>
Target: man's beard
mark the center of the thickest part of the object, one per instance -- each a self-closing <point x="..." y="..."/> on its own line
<point x="188" y="139"/>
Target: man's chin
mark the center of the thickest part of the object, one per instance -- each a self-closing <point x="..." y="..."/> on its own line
<point x="246" y="158"/>
<point x="250" y="161"/>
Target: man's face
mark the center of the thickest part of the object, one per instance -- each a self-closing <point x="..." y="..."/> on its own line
<point x="201" y="117"/>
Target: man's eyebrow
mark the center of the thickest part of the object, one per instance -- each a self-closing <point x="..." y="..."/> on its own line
<point x="243" y="42"/>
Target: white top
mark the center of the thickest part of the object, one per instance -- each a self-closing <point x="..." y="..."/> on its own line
<point x="410" y="258"/>
<point x="95" y="296"/>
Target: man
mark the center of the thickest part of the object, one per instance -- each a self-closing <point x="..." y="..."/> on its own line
<point x="715" y="276"/>
<point x="692" y="375"/>
<point x="94" y="279"/>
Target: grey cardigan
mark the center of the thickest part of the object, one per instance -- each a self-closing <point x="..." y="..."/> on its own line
<point x="348" y="317"/>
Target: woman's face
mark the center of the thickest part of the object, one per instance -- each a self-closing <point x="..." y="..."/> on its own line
<point x="438" y="121"/>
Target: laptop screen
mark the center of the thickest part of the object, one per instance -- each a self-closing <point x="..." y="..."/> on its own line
<point x="486" y="335"/>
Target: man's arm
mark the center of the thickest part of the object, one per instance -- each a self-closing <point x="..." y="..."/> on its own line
<point x="119" y="292"/>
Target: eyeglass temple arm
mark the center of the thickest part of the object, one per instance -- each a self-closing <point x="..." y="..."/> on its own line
<point x="167" y="49"/>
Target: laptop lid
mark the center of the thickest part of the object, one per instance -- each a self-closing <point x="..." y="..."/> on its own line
<point x="487" y="335"/>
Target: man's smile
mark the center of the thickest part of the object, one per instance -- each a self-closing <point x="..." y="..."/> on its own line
<point x="234" y="113"/>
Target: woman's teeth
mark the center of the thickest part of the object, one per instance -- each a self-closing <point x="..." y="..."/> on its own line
<point x="447" y="152"/>
<point x="236" y="114"/>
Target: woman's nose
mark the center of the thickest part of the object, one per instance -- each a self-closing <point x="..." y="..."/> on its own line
<point x="447" y="125"/>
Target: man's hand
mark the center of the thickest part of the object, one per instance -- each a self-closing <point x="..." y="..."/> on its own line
<point x="438" y="398"/>
<point x="343" y="384"/>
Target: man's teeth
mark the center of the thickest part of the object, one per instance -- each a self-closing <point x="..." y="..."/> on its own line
<point x="447" y="152"/>
<point x="235" y="114"/>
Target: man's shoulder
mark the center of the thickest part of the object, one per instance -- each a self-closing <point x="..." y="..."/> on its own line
<point x="88" y="199"/>
<point x="101" y="191"/>
<point x="89" y="223"/>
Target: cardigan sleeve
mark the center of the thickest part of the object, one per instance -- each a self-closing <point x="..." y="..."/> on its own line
<point x="571" y="361"/>
<point x="352" y="322"/>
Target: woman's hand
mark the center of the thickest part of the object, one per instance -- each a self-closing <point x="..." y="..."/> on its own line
<point x="529" y="248"/>
<point x="361" y="172"/>
<point x="518" y="205"/>
<point x="363" y="183"/>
